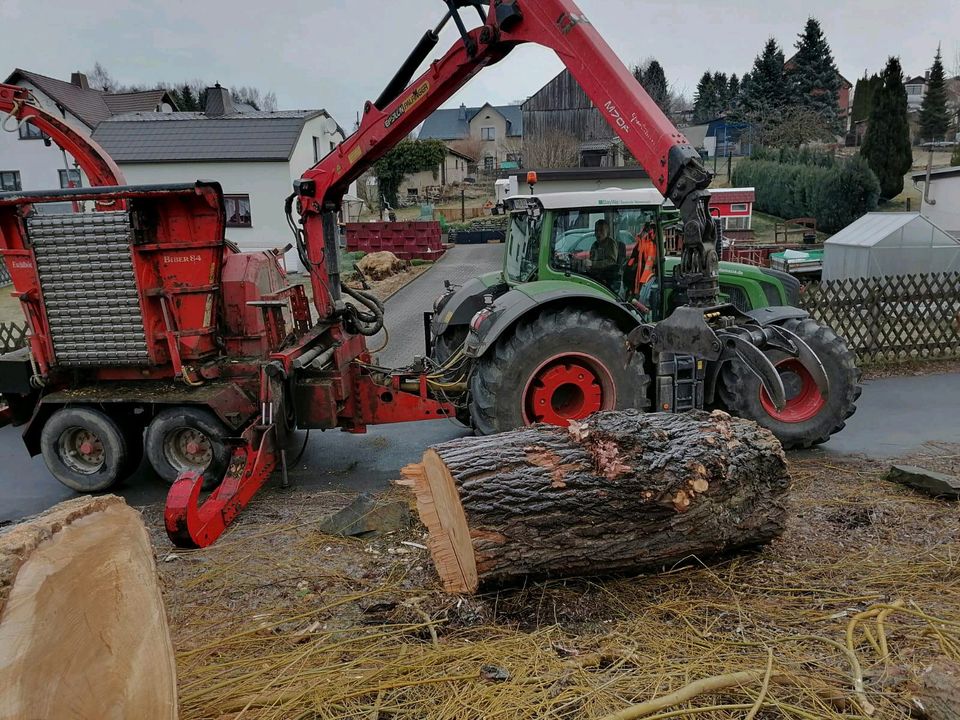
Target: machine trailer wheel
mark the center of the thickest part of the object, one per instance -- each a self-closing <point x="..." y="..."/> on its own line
<point x="85" y="449"/>
<point x="187" y="438"/>
<point x="808" y="418"/>
<point x="560" y="366"/>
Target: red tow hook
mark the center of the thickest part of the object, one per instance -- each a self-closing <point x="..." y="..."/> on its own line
<point x="192" y="525"/>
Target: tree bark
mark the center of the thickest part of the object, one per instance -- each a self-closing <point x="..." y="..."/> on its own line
<point x="83" y="633"/>
<point x="620" y="492"/>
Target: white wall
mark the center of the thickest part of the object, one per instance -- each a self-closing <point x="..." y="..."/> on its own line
<point x="267" y="184"/>
<point x="37" y="163"/>
<point x="945" y="214"/>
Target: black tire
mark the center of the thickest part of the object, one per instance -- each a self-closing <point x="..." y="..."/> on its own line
<point x="172" y="428"/>
<point x="104" y="462"/>
<point x="507" y="380"/>
<point x="448" y="343"/>
<point x="739" y="389"/>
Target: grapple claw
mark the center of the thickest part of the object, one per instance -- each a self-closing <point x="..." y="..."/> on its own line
<point x="193" y="525"/>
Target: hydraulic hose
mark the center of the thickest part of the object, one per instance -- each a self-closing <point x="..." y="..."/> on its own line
<point x="365" y="323"/>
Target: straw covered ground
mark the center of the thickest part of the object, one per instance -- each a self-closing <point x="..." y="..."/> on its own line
<point x="839" y="618"/>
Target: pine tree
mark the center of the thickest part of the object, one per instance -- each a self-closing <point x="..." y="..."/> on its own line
<point x="705" y="100"/>
<point x="863" y="95"/>
<point x="654" y="81"/>
<point x="733" y="91"/>
<point x="814" y="80"/>
<point x="886" y="147"/>
<point x="189" y="100"/>
<point x="765" y="93"/>
<point x="722" y="89"/>
<point x="934" y="118"/>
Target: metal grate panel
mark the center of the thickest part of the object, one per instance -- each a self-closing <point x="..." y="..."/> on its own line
<point x="86" y="274"/>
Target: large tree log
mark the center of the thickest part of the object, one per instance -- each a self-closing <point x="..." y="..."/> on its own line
<point x="83" y="632"/>
<point x="621" y="492"/>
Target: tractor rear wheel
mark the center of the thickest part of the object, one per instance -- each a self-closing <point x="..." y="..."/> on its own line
<point x="448" y="343"/>
<point x="187" y="438"/>
<point x="808" y="418"/>
<point x="85" y="449"/>
<point x="559" y="366"/>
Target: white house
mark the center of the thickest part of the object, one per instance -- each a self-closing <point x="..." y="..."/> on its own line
<point x="30" y="161"/>
<point x="940" y="202"/>
<point x="255" y="156"/>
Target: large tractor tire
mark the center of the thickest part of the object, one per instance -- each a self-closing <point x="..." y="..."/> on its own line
<point x="448" y="343"/>
<point x="85" y="449"/>
<point x="808" y="418"/>
<point x="555" y="367"/>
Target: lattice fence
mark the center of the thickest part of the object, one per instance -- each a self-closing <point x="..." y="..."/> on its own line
<point x="5" y="278"/>
<point x="891" y="318"/>
<point x="13" y="336"/>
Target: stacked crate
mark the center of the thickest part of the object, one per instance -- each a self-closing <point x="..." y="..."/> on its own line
<point x="418" y="240"/>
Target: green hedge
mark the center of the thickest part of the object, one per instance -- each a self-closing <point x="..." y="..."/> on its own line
<point x="835" y="193"/>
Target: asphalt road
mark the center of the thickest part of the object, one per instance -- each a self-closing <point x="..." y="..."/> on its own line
<point x="895" y="416"/>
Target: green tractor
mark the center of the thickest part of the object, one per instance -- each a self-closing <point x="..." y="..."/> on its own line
<point x="547" y="337"/>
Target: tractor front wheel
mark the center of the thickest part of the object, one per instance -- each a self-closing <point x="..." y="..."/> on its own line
<point x="808" y="418"/>
<point x="553" y="368"/>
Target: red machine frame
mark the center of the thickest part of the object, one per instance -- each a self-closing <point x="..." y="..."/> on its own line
<point x="351" y="394"/>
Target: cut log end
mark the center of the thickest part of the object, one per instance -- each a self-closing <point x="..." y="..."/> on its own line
<point x="621" y="492"/>
<point x="83" y="632"/>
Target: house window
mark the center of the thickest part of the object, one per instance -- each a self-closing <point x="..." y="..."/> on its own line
<point x="238" y="210"/>
<point x="738" y="207"/>
<point x="412" y="192"/>
<point x="10" y="180"/>
<point x="736" y="223"/>
<point x="29" y="131"/>
<point x="488" y="133"/>
<point x="488" y="162"/>
<point x="70" y="179"/>
<point x="316" y="149"/>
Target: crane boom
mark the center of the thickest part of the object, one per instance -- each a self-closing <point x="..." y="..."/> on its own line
<point x="18" y="104"/>
<point x="672" y="164"/>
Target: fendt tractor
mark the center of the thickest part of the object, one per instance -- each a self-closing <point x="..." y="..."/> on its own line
<point x="150" y="334"/>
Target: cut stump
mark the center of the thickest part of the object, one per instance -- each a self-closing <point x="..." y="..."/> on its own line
<point x="83" y="633"/>
<point x="620" y="492"/>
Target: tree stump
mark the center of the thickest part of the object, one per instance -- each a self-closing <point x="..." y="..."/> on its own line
<point x="620" y="492"/>
<point x="83" y="633"/>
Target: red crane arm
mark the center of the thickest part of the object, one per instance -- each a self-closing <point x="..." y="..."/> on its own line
<point x="17" y="103"/>
<point x="673" y="165"/>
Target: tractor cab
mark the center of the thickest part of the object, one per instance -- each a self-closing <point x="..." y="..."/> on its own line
<point x="611" y="241"/>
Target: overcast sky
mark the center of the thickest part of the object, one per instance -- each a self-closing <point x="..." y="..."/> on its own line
<point x="337" y="53"/>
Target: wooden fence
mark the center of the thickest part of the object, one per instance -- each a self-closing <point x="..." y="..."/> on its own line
<point x="891" y="318"/>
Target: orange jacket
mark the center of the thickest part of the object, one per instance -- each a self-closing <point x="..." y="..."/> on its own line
<point x="644" y="255"/>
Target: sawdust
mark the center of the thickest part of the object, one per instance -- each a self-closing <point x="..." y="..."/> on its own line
<point x="286" y="622"/>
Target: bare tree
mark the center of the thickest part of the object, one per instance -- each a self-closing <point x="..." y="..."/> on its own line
<point x="101" y="79"/>
<point x="551" y="150"/>
<point x="471" y="147"/>
<point x="792" y="127"/>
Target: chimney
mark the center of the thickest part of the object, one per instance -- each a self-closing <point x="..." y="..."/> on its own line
<point x="80" y="80"/>
<point x="463" y="113"/>
<point x="218" y="102"/>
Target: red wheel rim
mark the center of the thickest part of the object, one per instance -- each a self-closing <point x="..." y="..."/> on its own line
<point x="804" y="400"/>
<point x="567" y="387"/>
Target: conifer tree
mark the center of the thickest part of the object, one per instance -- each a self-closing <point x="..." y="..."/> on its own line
<point x="886" y="147"/>
<point x="814" y="80"/>
<point x="934" y="117"/>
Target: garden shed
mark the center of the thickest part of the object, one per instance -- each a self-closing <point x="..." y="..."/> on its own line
<point x="884" y="244"/>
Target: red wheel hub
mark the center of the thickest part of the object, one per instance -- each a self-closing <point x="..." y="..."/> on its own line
<point x="804" y="399"/>
<point x="567" y="388"/>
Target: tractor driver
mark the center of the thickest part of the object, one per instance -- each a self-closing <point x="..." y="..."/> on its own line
<point x="607" y="257"/>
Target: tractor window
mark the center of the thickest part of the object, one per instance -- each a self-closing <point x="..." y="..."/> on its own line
<point x="523" y="247"/>
<point x="598" y="243"/>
